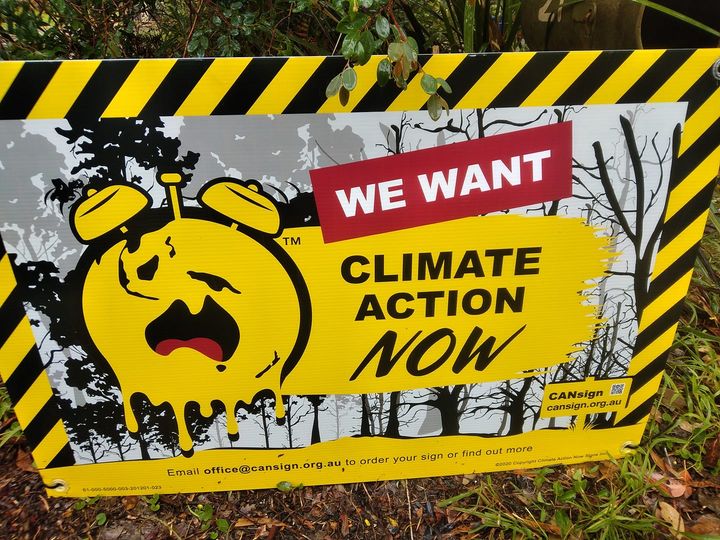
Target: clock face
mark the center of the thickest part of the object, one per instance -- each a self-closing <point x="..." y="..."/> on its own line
<point x="196" y="311"/>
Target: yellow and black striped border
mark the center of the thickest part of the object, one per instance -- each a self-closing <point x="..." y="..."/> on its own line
<point x="91" y="89"/>
<point x="22" y="370"/>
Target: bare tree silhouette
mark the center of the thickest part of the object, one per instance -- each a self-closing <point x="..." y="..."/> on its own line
<point x="630" y="218"/>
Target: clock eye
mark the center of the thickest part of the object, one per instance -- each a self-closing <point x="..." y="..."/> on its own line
<point x="243" y="202"/>
<point x="107" y="209"/>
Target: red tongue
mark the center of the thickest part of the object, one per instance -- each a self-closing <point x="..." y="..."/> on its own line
<point x="208" y="347"/>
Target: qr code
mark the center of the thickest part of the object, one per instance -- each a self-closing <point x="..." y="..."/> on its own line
<point x="617" y="389"/>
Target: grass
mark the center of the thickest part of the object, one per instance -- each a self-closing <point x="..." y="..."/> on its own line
<point x="9" y="427"/>
<point x="605" y="500"/>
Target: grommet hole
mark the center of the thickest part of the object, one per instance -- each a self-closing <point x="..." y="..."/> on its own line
<point x="57" y="485"/>
<point x="628" y="447"/>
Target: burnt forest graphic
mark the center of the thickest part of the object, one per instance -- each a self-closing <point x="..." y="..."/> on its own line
<point x="240" y="181"/>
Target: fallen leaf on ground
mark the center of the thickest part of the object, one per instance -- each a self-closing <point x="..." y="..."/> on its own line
<point x="244" y="522"/>
<point x="687" y="480"/>
<point x="704" y="484"/>
<point x="687" y="426"/>
<point x="706" y="524"/>
<point x="673" y="400"/>
<point x="659" y="462"/>
<point x="24" y="461"/>
<point x="672" y="517"/>
<point x="712" y="453"/>
<point x="261" y="532"/>
<point x="129" y="502"/>
<point x="608" y="470"/>
<point x="671" y="487"/>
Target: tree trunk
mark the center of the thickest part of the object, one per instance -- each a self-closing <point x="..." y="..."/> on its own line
<point x="392" y="429"/>
<point x="448" y="407"/>
<point x="143" y="445"/>
<point x="517" y="408"/>
<point x="118" y="444"/>
<point x="92" y="450"/>
<point x="315" y="438"/>
<point x="365" y="420"/>
<point x="264" y="423"/>
<point x="289" y="422"/>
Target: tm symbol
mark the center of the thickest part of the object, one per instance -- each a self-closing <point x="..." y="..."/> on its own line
<point x="291" y="240"/>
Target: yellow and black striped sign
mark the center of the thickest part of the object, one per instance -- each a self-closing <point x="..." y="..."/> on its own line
<point x="93" y="89"/>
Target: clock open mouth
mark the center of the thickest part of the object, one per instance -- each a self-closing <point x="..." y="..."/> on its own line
<point x="211" y="332"/>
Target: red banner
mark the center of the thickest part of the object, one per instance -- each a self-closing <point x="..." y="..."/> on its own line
<point x="458" y="180"/>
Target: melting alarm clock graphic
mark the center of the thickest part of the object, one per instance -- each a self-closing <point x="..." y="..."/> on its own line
<point x="191" y="305"/>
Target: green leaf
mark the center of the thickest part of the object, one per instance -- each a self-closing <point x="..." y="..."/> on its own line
<point x="193" y="45"/>
<point x="434" y="107"/>
<point x="368" y="47"/>
<point x="286" y="486"/>
<point x="349" y="78"/>
<point x="344" y="96"/>
<point x="352" y="22"/>
<point x="344" y="25"/>
<point x="409" y="52"/>
<point x="395" y="51"/>
<point x="443" y="84"/>
<point x="348" y="45"/>
<point x="222" y="525"/>
<point x="413" y="44"/>
<point x="382" y="27"/>
<point x="101" y="519"/>
<point x="562" y="520"/>
<point x="384" y="71"/>
<point x="359" y="52"/>
<point x="333" y="86"/>
<point x="428" y="84"/>
<point x="213" y="535"/>
<point x="205" y="512"/>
